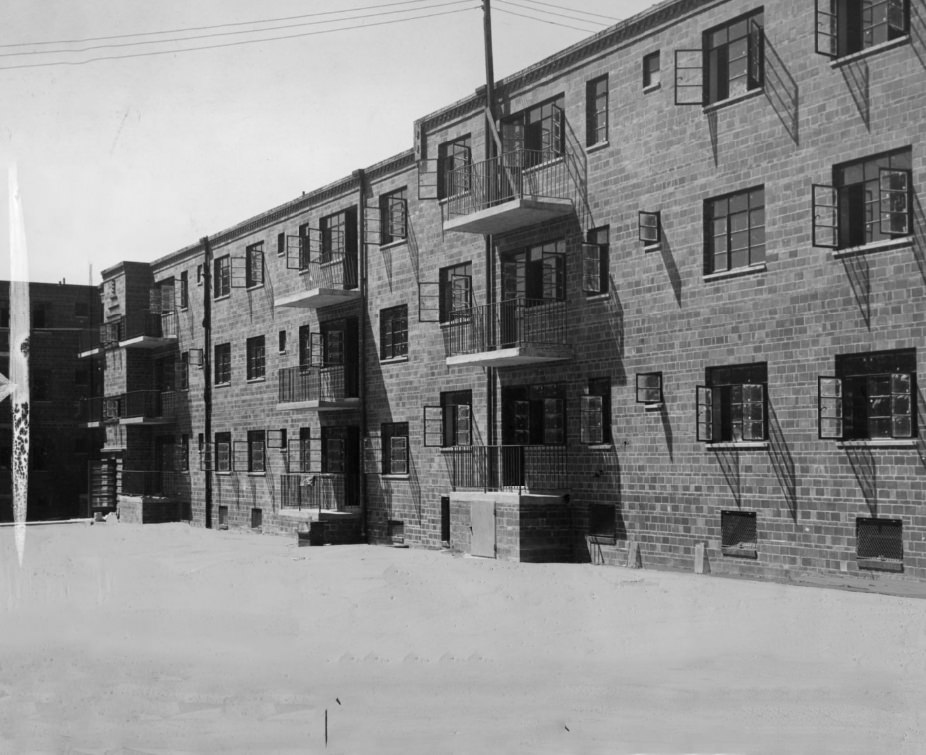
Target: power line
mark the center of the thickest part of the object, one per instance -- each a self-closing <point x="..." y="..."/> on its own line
<point x="534" y="18"/>
<point x="221" y="34"/>
<point x="572" y="10"/>
<point x="215" y="26"/>
<point x="230" y="44"/>
<point x="551" y="13"/>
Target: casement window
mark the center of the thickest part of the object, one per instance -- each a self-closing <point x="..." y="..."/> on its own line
<point x="393" y="332"/>
<point x="334" y="449"/>
<point x="455" y="293"/>
<point x="595" y="261"/>
<point x="395" y="447"/>
<point x="535" y="135"/>
<point x="536" y="275"/>
<point x="221" y="279"/>
<point x="738" y="534"/>
<point x="222" y="365"/>
<point x="256" y="358"/>
<point x="257" y="451"/>
<point x="182" y="372"/>
<point x="649" y="388"/>
<point x="534" y="415"/>
<point x="451" y="423"/>
<point x="199" y="275"/>
<point x="338" y="235"/>
<point x="595" y="412"/>
<point x="281" y="342"/>
<point x="730" y="63"/>
<point x="223" y="452"/>
<point x="734" y="230"/>
<point x="732" y="406"/>
<point x="849" y="26"/>
<point x="281" y="244"/>
<point x="304" y="462"/>
<point x="254" y="265"/>
<point x="879" y="543"/>
<point x="649" y="227"/>
<point x="651" y="74"/>
<point x="454" y="161"/>
<point x="322" y="349"/>
<point x="871" y="396"/>
<point x="596" y="111"/>
<point x="184" y="290"/>
<point x="870" y="200"/>
<point x="393" y="212"/>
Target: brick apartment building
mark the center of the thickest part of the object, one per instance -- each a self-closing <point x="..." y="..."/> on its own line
<point x="664" y="302"/>
<point x="60" y="444"/>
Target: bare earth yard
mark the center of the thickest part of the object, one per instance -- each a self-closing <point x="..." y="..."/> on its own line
<point x="157" y="639"/>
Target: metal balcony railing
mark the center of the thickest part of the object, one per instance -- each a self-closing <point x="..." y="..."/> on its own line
<point x="152" y="404"/>
<point x="520" y="173"/>
<point x="334" y="269"/>
<point x="165" y="483"/>
<point x="327" y="492"/>
<point x="305" y="383"/>
<point x="507" y="468"/>
<point x="138" y="324"/>
<point x="506" y="324"/>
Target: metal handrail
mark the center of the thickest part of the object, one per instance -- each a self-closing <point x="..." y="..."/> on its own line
<point x="330" y="269"/>
<point x="507" y="468"/>
<point x="506" y="324"/>
<point x="305" y="383"/>
<point x="312" y="490"/>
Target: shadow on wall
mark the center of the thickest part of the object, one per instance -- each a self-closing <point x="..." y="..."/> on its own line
<point x="866" y="473"/>
<point x="921" y="426"/>
<point x="919" y="230"/>
<point x="667" y="429"/>
<point x="857" y="78"/>
<point x="668" y="259"/>
<point x="729" y="461"/>
<point x="616" y="324"/>
<point x="858" y="272"/>
<point x="782" y="461"/>
<point x="782" y="91"/>
<point x="918" y="32"/>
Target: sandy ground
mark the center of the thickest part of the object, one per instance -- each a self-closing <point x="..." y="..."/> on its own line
<point x="118" y="638"/>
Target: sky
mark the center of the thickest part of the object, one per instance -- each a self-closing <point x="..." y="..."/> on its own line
<point x="136" y="157"/>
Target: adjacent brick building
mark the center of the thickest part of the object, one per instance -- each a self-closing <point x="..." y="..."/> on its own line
<point x="665" y="304"/>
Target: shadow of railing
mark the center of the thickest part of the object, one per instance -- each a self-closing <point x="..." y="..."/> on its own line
<point x="782" y="91"/>
<point x="858" y="77"/>
<point x="919" y="230"/>
<point x="782" y="461"/>
<point x="668" y="259"/>
<point x="616" y="324"/>
<point x="714" y="136"/>
<point x="866" y="473"/>
<point x="858" y="272"/>
<point x="667" y="430"/>
<point x="921" y="426"/>
<point x="918" y="32"/>
<point x="729" y="461"/>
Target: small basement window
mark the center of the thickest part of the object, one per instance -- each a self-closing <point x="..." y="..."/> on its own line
<point x="602" y="523"/>
<point x="257" y="516"/>
<point x="738" y="533"/>
<point x="879" y="544"/>
<point x="397" y="531"/>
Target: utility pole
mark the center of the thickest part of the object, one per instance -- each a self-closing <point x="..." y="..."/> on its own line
<point x="490" y="71"/>
<point x="491" y="381"/>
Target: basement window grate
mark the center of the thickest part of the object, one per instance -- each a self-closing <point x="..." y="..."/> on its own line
<point x="879" y="544"/>
<point x="738" y="533"/>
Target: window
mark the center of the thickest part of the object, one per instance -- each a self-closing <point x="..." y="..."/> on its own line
<point x="651" y="76"/>
<point x="879" y="544"/>
<point x="199" y="275"/>
<point x="184" y="290"/>
<point x="393" y="212"/>
<point x="334" y="450"/>
<point x="183" y="453"/>
<point x="731" y="407"/>
<point x="223" y="452"/>
<point x="257" y="518"/>
<point x="183" y="372"/>
<point x="451" y="423"/>
<point x="848" y="26"/>
<point x="649" y="388"/>
<point x="595" y="261"/>
<point x="738" y="533"/>
<point x="256" y="359"/>
<point x="222" y="363"/>
<point x="257" y="454"/>
<point x="281" y="244"/>
<point x="393" y="332"/>
<point x="254" y="265"/>
<point x="596" y="111"/>
<point x="281" y="342"/>
<point x="305" y="450"/>
<point x="221" y="283"/>
<point x="730" y="63"/>
<point x="595" y="415"/>
<point x="870" y="200"/>
<point x="334" y="230"/>
<point x="455" y="293"/>
<point x="535" y="135"/>
<point x="223" y="517"/>
<point x="537" y="275"/>
<point x="453" y="167"/>
<point x="871" y="396"/>
<point x="649" y="227"/>
<point x="534" y="415"/>
<point x="602" y="521"/>
<point x="734" y="231"/>
<point x="395" y="447"/>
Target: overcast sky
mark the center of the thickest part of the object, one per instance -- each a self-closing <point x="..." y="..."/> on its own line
<point x="137" y="157"/>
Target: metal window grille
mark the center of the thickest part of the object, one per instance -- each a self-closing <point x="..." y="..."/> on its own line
<point x="738" y="533"/>
<point x="879" y="540"/>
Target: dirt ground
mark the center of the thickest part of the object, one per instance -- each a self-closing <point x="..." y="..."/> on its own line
<point x="118" y="638"/>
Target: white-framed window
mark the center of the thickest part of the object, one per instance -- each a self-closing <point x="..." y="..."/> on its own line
<point x="844" y="27"/>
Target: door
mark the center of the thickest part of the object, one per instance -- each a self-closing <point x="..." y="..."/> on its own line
<point x="445" y="519"/>
<point x="482" y="524"/>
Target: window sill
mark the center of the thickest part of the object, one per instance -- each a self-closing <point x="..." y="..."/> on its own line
<point x="655" y="406"/>
<point x="880" y="564"/>
<point x="257" y="380"/>
<point x="222" y="385"/>
<point x="222" y="297"/>
<point x="601" y="296"/>
<point x="875" y="246"/>
<point x="873" y="50"/>
<point x="394" y="360"/>
<point x="743" y="445"/>
<point x="878" y="443"/>
<point x="736" y="272"/>
<point x="597" y="147"/>
<point x="392" y="244"/>
<point x="654" y="247"/>
<point x="714" y="106"/>
<point x="599" y="446"/>
<point x="255" y="286"/>
<point x="257" y="474"/>
<point x="386" y="476"/>
<point x="652" y="87"/>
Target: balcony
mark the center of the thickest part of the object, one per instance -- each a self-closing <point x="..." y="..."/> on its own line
<point x="510" y="469"/>
<point x="320" y="388"/>
<point x="508" y="333"/>
<point x="153" y="483"/>
<point x="329" y="278"/>
<point x="139" y="407"/>
<point x="140" y="330"/>
<point x="516" y="189"/>
<point x="319" y="491"/>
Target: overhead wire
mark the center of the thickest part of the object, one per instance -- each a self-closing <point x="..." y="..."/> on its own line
<point x="572" y="10"/>
<point x="230" y="44"/>
<point x="221" y="34"/>
<point x="542" y="20"/>
<point x="552" y="13"/>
